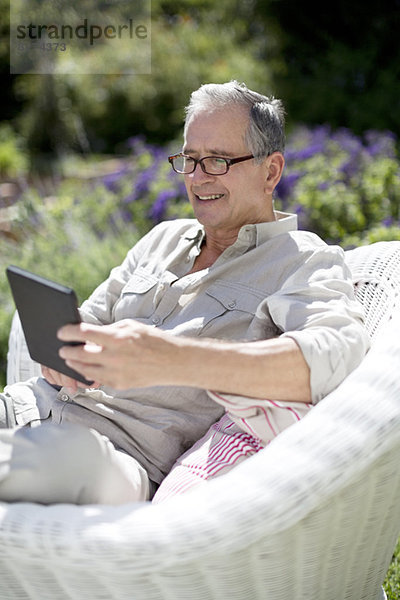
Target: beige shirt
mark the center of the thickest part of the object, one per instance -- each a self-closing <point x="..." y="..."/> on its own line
<point x="273" y="280"/>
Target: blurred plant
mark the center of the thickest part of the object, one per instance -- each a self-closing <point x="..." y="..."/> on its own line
<point x="13" y="158"/>
<point x="192" y="42"/>
<point x="342" y="186"/>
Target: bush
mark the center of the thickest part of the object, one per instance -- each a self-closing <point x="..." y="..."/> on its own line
<point x="191" y="43"/>
<point x="13" y="159"/>
<point x="344" y="187"/>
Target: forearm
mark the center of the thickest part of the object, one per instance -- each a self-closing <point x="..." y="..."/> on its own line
<point x="274" y="369"/>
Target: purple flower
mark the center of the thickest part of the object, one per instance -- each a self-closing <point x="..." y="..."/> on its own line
<point x="143" y="181"/>
<point x="129" y="198"/>
<point x="181" y="189"/>
<point x="380" y="143"/>
<point x="347" y="140"/>
<point x="112" y="180"/>
<point x="324" y="185"/>
<point x="320" y="134"/>
<point x="158" y="153"/>
<point x="285" y="187"/>
<point x="350" y="167"/>
<point x="304" y="153"/>
<point x="125" y="215"/>
<point x="157" y="211"/>
<point x="137" y="143"/>
<point x="178" y="183"/>
<point x="302" y="218"/>
<point x="355" y="163"/>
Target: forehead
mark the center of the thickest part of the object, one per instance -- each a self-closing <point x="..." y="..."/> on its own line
<point x="221" y="129"/>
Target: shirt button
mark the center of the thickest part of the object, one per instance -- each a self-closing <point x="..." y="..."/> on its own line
<point x="155" y="320"/>
<point x="232" y="304"/>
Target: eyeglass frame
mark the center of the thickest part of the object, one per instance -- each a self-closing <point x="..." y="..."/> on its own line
<point x="229" y="162"/>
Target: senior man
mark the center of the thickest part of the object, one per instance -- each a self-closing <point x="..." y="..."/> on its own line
<point x="236" y="300"/>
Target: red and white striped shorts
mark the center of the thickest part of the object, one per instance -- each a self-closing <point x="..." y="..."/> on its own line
<point x="217" y="452"/>
<point x="226" y="444"/>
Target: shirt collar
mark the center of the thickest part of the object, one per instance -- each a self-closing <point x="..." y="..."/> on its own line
<point x="284" y="223"/>
<point x="254" y="233"/>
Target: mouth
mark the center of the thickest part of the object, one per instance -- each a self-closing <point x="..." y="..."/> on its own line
<point x="204" y="197"/>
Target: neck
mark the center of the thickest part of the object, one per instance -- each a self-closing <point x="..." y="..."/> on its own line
<point x="216" y="242"/>
<point x="211" y="250"/>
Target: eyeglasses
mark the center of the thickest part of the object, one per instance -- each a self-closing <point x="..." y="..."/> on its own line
<point x="211" y="165"/>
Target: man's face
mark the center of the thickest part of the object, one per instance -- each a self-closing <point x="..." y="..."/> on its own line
<point x="225" y="203"/>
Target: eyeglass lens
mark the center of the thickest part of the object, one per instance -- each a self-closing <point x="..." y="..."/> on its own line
<point x="210" y="164"/>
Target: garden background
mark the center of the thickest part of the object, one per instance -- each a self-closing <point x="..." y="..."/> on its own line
<point x="83" y="171"/>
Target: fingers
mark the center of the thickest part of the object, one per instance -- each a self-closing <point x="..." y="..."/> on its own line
<point x="85" y="332"/>
<point x="59" y="379"/>
<point x="109" y="352"/>
<point x="76" y="333"/>
<point x="48" y="374"/>
<point x="82" y="357"/>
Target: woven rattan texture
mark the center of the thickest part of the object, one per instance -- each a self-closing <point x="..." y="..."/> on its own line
<point x="376" y="276"/>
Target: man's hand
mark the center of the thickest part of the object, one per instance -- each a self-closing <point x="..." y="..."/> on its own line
<point x="122" y="355"/>
<point x="59" y="379"/>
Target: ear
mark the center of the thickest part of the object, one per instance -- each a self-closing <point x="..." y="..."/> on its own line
<point x="274" y="164"/>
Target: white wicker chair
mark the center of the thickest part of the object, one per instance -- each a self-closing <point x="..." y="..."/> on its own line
<point x="313" y="516"/>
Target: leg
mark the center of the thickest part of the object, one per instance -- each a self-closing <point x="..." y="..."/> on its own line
<point x="248" y="426"/>
<point x="224" y="446"/>
<point x="67" y="464"/>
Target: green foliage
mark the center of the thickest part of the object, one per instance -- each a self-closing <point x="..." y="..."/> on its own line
<point x="343" y="187"/>
<point x="340" y="65"/>
<point x="13" y="158"/>
<point x="192" y="42"/>
<point x="346" y="76"/>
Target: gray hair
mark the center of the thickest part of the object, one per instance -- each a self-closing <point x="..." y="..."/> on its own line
<point x="266" y="130"/>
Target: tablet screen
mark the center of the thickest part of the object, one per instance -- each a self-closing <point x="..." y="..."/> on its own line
<point x="44" y="306"/>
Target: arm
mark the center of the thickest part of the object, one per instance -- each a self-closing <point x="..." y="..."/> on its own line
<point x="314" y="306"/>
<point x="130" y="354"/>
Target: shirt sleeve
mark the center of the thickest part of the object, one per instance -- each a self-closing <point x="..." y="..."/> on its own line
<point x="317" y="308"/>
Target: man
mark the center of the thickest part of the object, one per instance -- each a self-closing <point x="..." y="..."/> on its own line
<point x="235" y="301"/>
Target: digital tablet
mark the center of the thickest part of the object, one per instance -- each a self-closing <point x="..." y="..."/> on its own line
<point x="43" y="307"/>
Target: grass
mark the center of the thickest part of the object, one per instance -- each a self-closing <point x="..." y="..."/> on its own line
<point x="392" y="580"/>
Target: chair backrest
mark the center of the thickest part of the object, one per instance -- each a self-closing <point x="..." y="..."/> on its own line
<point x="376" y="276"/>
<point x="20" y="366"/>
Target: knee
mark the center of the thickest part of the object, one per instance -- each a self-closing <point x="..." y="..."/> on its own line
<point x="62" y="452"/>
<point x="52" y="464"/>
